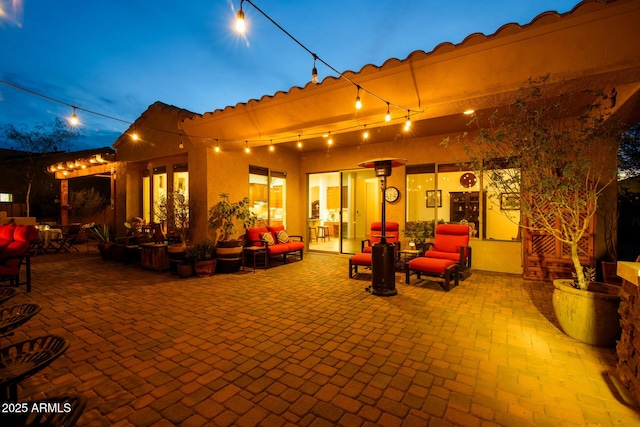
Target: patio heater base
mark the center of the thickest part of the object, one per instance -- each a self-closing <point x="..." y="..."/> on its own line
<point x="383" y="270"/>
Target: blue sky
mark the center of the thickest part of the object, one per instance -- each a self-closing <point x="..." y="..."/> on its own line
<point x="116" y="57"/>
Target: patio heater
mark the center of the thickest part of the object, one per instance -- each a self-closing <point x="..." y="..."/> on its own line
<point x="383" y="266"/>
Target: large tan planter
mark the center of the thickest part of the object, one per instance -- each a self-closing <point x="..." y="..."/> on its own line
<point x="588" y="316"/>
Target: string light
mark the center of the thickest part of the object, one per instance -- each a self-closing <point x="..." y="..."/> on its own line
<point x="365" y="134"/>
<point x="387" y="117"/>
<point x="74" y="118"/>
<point x="299" y="142"/>
<point x="271" y="147"/>
<point x="407" y="124"/>
<point x="134" y="136"/>
<point x="181" y="145"/>
<point x="217" y="149"/>
<point x="315" y="57"/>
<point x="358" y="101"/>
<point x="468" y="112"/>
<point x="314" y="70"/>
<point x="330" y="141"/>
<point x="246" y="147"/>
<point x="240" y="25"/>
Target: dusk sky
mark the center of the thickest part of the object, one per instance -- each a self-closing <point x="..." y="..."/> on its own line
<point x="117" y="57"/>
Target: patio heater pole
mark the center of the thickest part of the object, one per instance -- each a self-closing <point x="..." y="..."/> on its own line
<point x="383" y="274"/>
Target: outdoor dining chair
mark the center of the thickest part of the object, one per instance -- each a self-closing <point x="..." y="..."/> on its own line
<point x="67" y="239"/>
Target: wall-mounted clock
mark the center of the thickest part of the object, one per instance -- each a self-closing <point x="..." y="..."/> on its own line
<point x="391" y="194"/>
<point x="468" y="180"/>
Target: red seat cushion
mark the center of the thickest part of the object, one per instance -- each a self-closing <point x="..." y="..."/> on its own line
<point x="275" y="228"/>
<point x="294" y="246"/>
<point x="392" y="231"/>
<point x="450" y="237"/>
<point x="361" y="259"/>
<point x="25" y="233"/>
<point x="430" y="265"/>
<point x="278" y="248"/>
<point x="453" y="256"/>
<point x="6" y="231"/>
<point x="253" y="234"/>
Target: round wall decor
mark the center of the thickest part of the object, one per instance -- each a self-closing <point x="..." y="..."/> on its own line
<point x="468" y="180"/>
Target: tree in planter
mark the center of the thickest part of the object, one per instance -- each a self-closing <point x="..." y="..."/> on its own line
<point x="224" y="214"/>
<point x="174" y="210"/>
<point x="549" y="151"/>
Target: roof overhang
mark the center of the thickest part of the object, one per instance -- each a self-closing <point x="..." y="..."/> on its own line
<point x="587" y="48"/>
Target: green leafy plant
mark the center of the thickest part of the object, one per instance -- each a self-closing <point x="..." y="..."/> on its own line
<point x="224" y="214"/>
<point x="203" y="251"/>
<point x="420" y="231"/>
<point x="101" y="232"/>
<point x="174" y="210"/>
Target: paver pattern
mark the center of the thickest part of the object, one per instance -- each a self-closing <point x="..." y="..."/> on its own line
<point x="303" y="345"/>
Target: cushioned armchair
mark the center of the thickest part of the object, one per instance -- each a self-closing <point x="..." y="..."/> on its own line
<point x="452" y="242"/>
<point x="15" y="241"/>
<point x="392" y="231"/>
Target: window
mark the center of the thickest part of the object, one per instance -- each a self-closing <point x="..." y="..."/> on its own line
<point x="6" y="197"/>
<point x="146" y="196"/>
<point x="267" y="195"/>
<point x="181" y="180"/>
<point x="455" y="193"/>
<point x="159" y="187"/>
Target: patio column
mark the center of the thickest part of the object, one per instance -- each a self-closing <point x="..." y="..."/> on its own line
<point x="64" y="201"/>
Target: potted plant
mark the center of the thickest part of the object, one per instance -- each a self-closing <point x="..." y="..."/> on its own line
<point x="549" y="150"/>
<point x="102" y="234"/>
<point x="421" y="232"/>
<point x="223" y="217"/>
<point x="173" y="210"/>
<point x="203" y="256"/>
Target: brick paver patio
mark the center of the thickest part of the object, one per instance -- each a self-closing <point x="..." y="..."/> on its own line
<point x="304" y="345"/>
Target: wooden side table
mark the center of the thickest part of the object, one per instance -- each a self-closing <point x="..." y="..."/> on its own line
<point x="254" y="252"/>
<point x="404" y="256"/>
<point x="154" y="256"/>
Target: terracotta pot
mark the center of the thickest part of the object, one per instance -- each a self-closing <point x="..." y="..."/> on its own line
<point x="185" y="270"/>
<point x="205" y="268"/>
<point x="589" y="316"/>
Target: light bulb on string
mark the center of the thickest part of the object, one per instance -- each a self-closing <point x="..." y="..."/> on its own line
<point x="330" y="141"/>
<point x="314" y="70"/>
<point x="181" y="145"/>
<point x="217" y="149"/>
<point x="387" y="117"/>
<point x="365" y="133"/>
<point x="299" y="142"/>
<point x="240" y="25"/>
<point x="358" y="101"/>
<point x="271" y="147"/>
<point x="407" y="124"/>
<point x="246" y="147"/>
<point x="73" y="120"/>
<point x="134" y="136"/>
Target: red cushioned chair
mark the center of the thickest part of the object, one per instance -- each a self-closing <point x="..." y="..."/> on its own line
<point x="15" y="241"/>
<point x="392" y="231"/>
<point x="452" y="242"/>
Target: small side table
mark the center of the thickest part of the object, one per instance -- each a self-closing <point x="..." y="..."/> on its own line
<point x="404" y="256"/>
<point x="254" y="252"/>
<point x="154" y="256"/>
